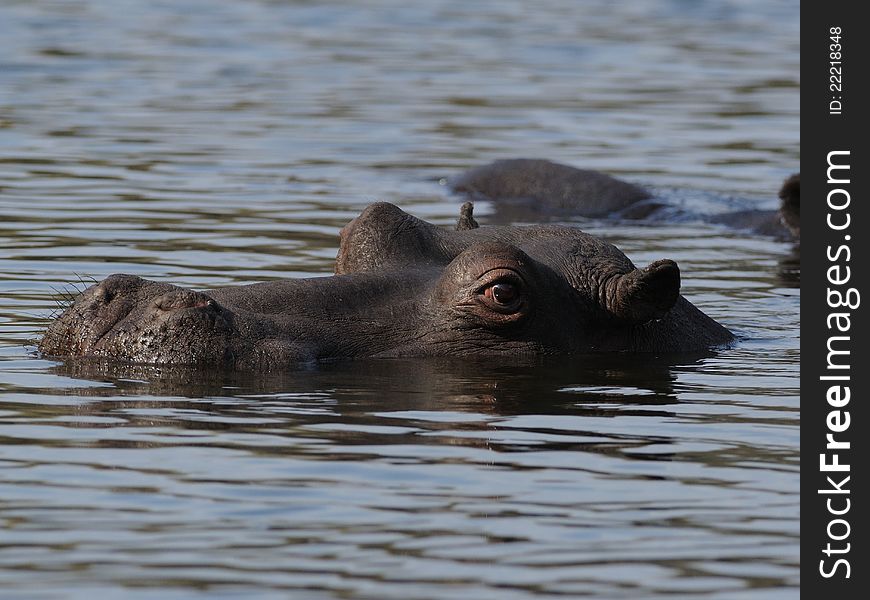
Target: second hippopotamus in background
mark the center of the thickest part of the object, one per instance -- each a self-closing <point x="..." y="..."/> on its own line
<point x="542" y="187"/>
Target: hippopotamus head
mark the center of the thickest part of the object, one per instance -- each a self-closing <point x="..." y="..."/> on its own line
<point x="402" y="287"/>
<point x="790" y="206"/>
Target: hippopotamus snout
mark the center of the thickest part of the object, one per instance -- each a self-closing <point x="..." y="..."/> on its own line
<point x="142" y="321"/>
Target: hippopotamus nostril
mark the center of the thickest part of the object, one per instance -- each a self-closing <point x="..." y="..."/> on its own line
<point x="181" y="299"/>
<point x="103" y="295"/>
<point x="118" y="286"/>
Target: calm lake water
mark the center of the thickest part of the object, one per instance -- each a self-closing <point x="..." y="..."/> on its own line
<point x="214" y="142"/>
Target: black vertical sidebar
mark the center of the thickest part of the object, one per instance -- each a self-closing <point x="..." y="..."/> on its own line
<point x="835" y="224"/>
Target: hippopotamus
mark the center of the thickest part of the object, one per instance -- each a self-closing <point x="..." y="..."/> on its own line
<point x="549" y="187"/>
<point x="790" y="207"/>
<point x="402" y="288"/>
<point x="534" y="187"/>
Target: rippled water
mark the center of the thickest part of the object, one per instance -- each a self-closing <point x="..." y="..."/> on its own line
<point x="215" y="142"/>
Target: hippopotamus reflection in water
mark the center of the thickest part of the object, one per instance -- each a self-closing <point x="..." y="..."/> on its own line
<point x="534" y="187"/>
<point x="403" y="287"/>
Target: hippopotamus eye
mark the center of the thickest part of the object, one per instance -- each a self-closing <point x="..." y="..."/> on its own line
<point x="502" y="293"/>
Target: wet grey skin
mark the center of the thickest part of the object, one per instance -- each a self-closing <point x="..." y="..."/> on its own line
<point x="403" y="288"/>
<point x="529" y="187"/>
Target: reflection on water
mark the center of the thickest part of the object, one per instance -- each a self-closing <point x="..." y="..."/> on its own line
<point x="447" y="476"/>
<point x="213" y="142"/>
<point x="478" y="377"/>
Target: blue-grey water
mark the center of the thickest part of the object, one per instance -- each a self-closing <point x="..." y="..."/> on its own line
<point x="210" y="142"/>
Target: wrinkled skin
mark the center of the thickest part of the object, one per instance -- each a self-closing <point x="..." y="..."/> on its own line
<point x="402" y="288"/>
<point x="544" y="187"/>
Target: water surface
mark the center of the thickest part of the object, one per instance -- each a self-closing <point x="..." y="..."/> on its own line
<point x="213" y="142"/>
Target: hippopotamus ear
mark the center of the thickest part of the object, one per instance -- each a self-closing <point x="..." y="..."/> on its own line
<point x="466" y="218"/>
<point x="645" y="294"/>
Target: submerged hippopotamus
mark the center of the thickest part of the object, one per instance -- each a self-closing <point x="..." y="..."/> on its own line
<point x="403" y="287"/>
<point x="537" y="186"/>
